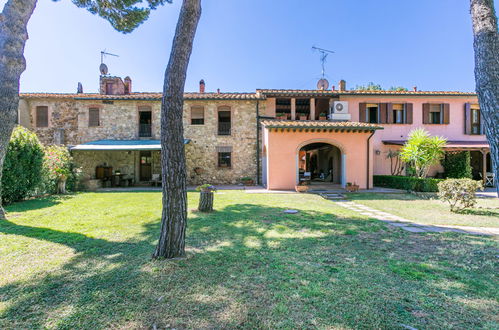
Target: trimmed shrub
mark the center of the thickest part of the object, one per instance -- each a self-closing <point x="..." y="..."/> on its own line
<point x="407" y="183"/>
<point x="459" y="193"/>
<point x="23" y="166"/>
<point x="458" y="165"/>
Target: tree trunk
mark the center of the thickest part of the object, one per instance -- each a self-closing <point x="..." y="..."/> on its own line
<point x="13" y="35"/>
<point x="486" y="44"/>
<point x="174" y="217"/>
<point x="206" y="201"/>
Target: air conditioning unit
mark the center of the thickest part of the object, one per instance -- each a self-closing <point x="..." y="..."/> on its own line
<point x="340" y="107"/>
<point x="339" y="111"/>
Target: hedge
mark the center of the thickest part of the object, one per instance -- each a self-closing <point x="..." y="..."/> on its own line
<point x="457" y="165"/>
<point x="407" y="183"/>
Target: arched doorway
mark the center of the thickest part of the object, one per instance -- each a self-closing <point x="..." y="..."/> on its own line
<point x="320" y="163"/>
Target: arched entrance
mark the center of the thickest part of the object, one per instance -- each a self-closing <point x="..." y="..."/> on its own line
<point x="321" y="163"/>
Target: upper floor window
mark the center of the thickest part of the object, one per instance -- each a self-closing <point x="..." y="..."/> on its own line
<point x="372" y="112"/>
<point x="473" y="118"/>
<point x="42" y="116"/>
<point x="197" y="116"/>
<point x="145" y="121"/>
<point x="224" y="121"/>
<point x="398" y="113"/>
<point x="436" y="113"/>
<point x="93" y="117"/>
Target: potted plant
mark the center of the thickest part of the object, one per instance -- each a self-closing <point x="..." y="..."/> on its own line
<point x="62" y="176"/>
<point x="206" y="197"/>
<point x="247" y="181"/>
<point x="322" y="116"/>
<point x="352" y="187"/>
<point x="303" y="116"/>
<point x="301" y="188"/>
<point x="281" y="115"/>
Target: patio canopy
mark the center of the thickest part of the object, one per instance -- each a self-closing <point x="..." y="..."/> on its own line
<point x="450" y="144"/>
<point x="125" y="145"/>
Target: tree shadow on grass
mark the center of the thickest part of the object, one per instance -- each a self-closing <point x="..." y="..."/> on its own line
<point x="253" y="266"/>
<point x="37" y="203"/>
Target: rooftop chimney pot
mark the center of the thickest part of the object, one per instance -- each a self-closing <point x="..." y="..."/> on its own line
<point x="415" y="88"/>
<point x="218" y="90"/>
<point x="202" y="86"/>
<point x="342" y="86"/>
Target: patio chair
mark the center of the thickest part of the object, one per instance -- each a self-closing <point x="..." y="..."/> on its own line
<point x="156" y="180"/>
<point x="490" y="180"/>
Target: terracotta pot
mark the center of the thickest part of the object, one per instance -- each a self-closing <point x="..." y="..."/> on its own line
<point x="352" y="188"/>
<point x="322" y="118"/>
<point x="301" y="189"/>
<point x="303" y="117"/>
<point x="248" y="182"/>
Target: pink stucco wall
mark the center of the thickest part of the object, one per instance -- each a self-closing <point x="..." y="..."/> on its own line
<point x="453" y="131"/>
<point x="282" y="152"/>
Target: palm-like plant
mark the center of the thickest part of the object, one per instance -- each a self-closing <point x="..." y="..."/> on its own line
<point x="422" y="151"/>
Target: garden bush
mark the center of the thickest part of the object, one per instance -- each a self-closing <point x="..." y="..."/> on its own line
<point x="407" y="183"/>
<point x="459" y="193"/>
<point x="457" y="165"/>
<point x="23" y="166"/>
<point x="59" y="165"/>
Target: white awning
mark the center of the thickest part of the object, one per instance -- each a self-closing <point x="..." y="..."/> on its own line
<point x="120" y="145"/>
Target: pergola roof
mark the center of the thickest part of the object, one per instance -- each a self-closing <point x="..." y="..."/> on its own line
<point x="123" y="145"/>
<point x="450" y="144"/>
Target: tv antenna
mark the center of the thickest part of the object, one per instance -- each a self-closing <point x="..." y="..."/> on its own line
<point x="103" y="67"/>
<point x="324" y="55"/>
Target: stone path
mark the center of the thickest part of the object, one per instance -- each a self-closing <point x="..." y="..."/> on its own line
<point x="407" y="225"/>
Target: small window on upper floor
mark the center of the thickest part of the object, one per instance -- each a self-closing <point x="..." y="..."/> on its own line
<point x="398" y="113"/>
<point x="93" y="117"/>
<point x="42" y="116"/>
<point x="476" y="118"/>
<point x="224" y="121"/>
<point x="435" y="114"/>
<point x="197" y="115"/>
<point x="372" y="112"/>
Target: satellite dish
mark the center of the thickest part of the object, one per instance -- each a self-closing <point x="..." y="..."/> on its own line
<point x="103" y="69"/>
<point x="323" y="84"/>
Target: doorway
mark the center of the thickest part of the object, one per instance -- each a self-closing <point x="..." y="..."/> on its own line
<point x="320" y="163"/>
<point x="145" y="166"/>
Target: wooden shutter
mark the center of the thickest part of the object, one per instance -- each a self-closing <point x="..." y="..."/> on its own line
<point x="42" y="116"/>
<point x="426" y="113"/>
<point x="362" y="113"/>
<point x="408" y="113"/>
<point x="389" y="113"/>
<point x="446" y="113"/>
<point x="482" y="123"/>
<point x="93" y="117"/>
<point x="467" y="118"/>
<point x="382" y="113"/>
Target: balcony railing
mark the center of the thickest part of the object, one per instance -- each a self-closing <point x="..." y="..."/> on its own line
<point x="145" y="130"/>
<point x="224" y="128"/>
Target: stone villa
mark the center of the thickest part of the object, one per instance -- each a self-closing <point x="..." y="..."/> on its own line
<point x="276" y="137"/>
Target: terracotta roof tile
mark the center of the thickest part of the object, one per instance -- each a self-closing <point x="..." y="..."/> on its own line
<point x="276" y="123"/>
<point x="304" y="92"/>
<point x="144" y="96"/>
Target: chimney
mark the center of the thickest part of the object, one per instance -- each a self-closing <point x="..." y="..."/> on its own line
<point x="128" y="85"/>
<point x="79" y="90"/>
<point x="201" y="86"/>
<point x="218" y="90"/>
<point x="415" y="88"/>
<point x="342" y="85"/>
<point x="333" y="88"/>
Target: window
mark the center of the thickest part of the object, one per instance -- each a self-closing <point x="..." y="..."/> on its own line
<point x="93" y="117"/>
<point x="435" y="114"/>
<point x="224" y="157"/>
<point x="197" y="116"/>
<point x="145" y="122"/>
<point x="372" y="112"/>
<point x="475" y="120"/>
<point x="42" y="116"/>
<point x="398" y="113"/>
<point x="224" y="121"/>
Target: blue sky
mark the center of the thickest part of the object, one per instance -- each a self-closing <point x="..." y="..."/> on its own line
<point x="242" y="45"/>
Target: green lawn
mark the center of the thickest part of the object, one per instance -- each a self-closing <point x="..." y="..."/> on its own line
<point x="83" y="261"/>
<point x="432" y="211"/>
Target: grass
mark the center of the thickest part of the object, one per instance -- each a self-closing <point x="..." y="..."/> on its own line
<point x="432" y="211"/>
<point x="83" y="261"/>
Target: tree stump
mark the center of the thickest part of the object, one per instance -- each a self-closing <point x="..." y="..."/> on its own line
<point x="206" y="201"/>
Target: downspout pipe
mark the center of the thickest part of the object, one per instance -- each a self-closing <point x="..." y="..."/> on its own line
<point x="368" y="158"/>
